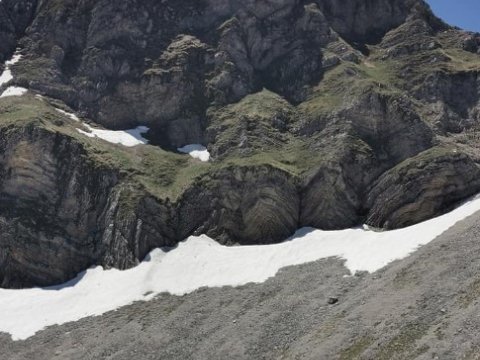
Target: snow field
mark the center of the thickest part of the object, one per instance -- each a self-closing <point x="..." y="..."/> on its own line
<point x="196" y="151"/>
<point x="202" y="262"/>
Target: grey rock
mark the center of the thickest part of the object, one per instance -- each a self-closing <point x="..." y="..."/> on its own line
<point x="60" y="214"/>
<point x="315" y="114"/>
<point x="246" y="205"/>
<point x="420" y="187"/>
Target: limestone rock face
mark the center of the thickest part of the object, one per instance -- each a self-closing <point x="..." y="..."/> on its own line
<point x="457" y="95"/>
<point x="247" y="205"/>
<point x="41" y="200"/>
<point x="187" y="56"/>
<point x="390" y="126"/>
<point x="15" y="16"/>
<point x="423" y="186"/>
<point x="60" y="214"/>
<point x="321" y="113"/>
<point x="368" y="21"/>
<point x="332" y="194"/>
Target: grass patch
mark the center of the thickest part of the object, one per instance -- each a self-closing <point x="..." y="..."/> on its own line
<point x="472" y="293"/>
<point x="346" y="82"/>
<point x="293" y="159"/>
<point x="355" y="350"/>
<point x="163" y="174"/>
<point x="403" y="343"/>
<point x="461" y="60"/>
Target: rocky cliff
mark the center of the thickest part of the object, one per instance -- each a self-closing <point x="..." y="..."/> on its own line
<point x="316" y="113"/>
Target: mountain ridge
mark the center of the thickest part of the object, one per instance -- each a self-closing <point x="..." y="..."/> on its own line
<point x="314" y="114"/>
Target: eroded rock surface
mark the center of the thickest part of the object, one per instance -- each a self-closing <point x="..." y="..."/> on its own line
<point x="316" y="113"/>
<point x="251" y="205"/>
<point x="61" y="213"/>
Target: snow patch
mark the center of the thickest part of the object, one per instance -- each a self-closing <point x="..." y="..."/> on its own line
<point x="196" y="151"/>
<point x="128" y="138"/>
<point x="63" y="112"/>
<point x="200" y="261"/>
<point x="7" y="76"/>
<point x="14" y="91"/>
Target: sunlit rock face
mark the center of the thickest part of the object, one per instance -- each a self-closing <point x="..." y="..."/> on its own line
<point x="131" y="125"/>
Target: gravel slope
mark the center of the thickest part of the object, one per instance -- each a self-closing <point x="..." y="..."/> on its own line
<point x="424" y="307"/>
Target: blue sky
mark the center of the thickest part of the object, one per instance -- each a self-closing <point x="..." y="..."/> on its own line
<point x="462" y="13"/>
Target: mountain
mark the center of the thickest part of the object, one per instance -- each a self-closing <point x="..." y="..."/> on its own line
<point x="423" y="307"/>
<point x="315" y="113"/>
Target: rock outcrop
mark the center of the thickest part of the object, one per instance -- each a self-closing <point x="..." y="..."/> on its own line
<point x="190" y="55"/>
<point x="250" y="205"/>
<point x="51" y="203"/>
<point x="318" y="113"/>
<point x="421" y="187"/>
<point x="15" y="17"/>
<point x="61" y="213"/>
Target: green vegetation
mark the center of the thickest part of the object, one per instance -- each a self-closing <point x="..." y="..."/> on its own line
<point x="461" y="60"/>
<point x="256" y="131"/>
<point x="261" y="129"/>
<point x="471" y="294"/>
<point x="163" y="174"/>
<point x="293" y="159"/>
<point x="34" y="69"/>
<point x="354" y="351"/>
<point x="259" y="119"/>
<point x="403" y="343"/>
<point x="54" y="6"/>
<point x="411" y="166"/>
<point x="346" y="82"/>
